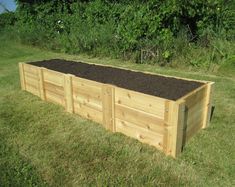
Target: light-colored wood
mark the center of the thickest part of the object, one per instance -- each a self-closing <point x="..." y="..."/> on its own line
<point x="88" y="113"/>
<point x="30" y="69"/>
<point x="142" y="134"/>
<point x="68" y="92"/>
<point x="177" y="126"/>
<point x="32" y="89"/>
<point x="22" y="77"/>
<point x="140" y="118"/>
<point x="41" y="84"/>
<point x="208" y="105"/>
<point x="108" y="107"/>
<point x="53" y="77"/>
<point x="54" y="98"/>
<point x="139" y="101"/>
<point x="59" y="90"/>
<point x="160" y="122"/>
<point x="87" y="101"/>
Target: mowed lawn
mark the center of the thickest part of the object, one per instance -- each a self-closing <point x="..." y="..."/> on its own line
<point x="42" y="145"/>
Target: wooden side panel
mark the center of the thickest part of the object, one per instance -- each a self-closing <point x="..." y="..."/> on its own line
<point x="142" y="134"/>
<point x="139" y="101"/>
<point x="140" y="116"/>
<point x="53" y="83"/>
<point x="195" y="112"/>
<point x="87" y="99"/>
<point x="108" y="107"/>
<point x="53" y="77"/>
<point x="31" y="79"/>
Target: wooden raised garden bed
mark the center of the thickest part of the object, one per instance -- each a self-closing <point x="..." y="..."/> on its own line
<point x="162" y="111"/>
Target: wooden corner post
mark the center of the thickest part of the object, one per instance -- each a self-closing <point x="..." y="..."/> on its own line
<point x="22" y="79"/>
<point x="108" y="107"/>
<point x="68" y="93"/>
<point x="174" y="127"/>
<point x="208" y="104"/>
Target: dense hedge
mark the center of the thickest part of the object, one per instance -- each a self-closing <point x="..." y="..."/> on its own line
<point x="119" y="27"/>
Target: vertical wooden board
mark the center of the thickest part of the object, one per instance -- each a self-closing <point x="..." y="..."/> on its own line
<point x="208" y="104"/>
<point x="22" y="78"/>
<point x="141" y="134"/>
<point x="68" y="92"/>
<point x="108" y="107"/>
<point x="147" y="103"/>
<point x="176" y="127"/>
<point x="41" y="83"/>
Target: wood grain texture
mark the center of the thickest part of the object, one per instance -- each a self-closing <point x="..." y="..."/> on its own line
<point x="139" y="101"/>
<point x="108" y="107"/>
<point x="22" y="76"/>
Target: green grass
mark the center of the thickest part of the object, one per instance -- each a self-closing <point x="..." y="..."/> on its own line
<point x="42" y="145"/>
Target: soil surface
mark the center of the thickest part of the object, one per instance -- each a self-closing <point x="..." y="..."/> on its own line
<point x="160" y="86"/>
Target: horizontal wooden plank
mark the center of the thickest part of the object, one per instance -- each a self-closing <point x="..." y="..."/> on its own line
<point x="53" y="77"/>
<point x="142" y="134"/>
<point x="31" y="75"/>
<point x="79" y="80"/>
<point x="143" y="102"/>
<point x="30" y="69"/>
<point x="32" y="89"/>
<point x="88" y="101"/>
<point x="88" y="113"/>
<point x="88" y="88"/>
<point x="140" y="118"/>
<point x="32" y="81"/>
<point x="195" y="97"/>
<point x="54" y="88"/>
<point x="193" y="130"/>
<point x="55" y="98"/>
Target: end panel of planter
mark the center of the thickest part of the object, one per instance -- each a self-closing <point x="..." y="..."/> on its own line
<point x="87" y="99"/>
<point x="196" y="105"/>
<point x="140" y="116"/>
<point x="30" y="79"/>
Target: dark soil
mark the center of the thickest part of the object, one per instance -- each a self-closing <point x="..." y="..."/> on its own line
<point x="165" y="87"/>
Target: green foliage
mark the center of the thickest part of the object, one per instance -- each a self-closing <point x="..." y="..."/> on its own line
<point x="124" y="28"/>
<point x="7" y="19"/>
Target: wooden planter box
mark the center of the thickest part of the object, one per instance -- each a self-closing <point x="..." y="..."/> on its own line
<point x="163" y="123"/>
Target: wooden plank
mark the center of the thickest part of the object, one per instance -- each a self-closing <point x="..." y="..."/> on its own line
<point x="30" y="69"/>
<point x="208" y="104"/>
<point x="108" y="107"/>
<point x="41" y="83"/>
<point x="89" y="102"/>
<point x="59" y="90"/>
<point x="32" y="89"/>
<point x="31" y="81"/>
<point x="142" y="134"/>
<point x="22" y="78"/>
<point x="88" y="113"/>
<point x="140" y="118"/>
<point x="54" y="98"/>
<point x="178" y="124"/>
<point x="68" y="92"/>
<point x="139" y="101"/>
<point x="89" y="88"/>
<point x="53" y="77"/>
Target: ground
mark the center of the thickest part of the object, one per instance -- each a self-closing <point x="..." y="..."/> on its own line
<point x="42" y="145"/>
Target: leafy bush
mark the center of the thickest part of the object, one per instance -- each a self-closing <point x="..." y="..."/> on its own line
<point x="156" y="31"/>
